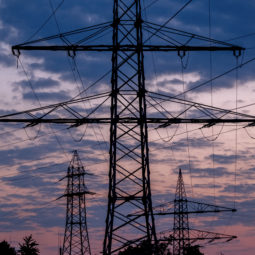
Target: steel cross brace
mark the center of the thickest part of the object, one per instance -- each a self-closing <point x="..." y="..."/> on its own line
<point x="164" y="121"/>
<point x="74" y="48"/>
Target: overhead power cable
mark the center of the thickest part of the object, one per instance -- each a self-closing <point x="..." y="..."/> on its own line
<point x="46" y="21"/>
<point x="79" y="76"/>
<point x="61" y="104"/>
<point x="181" y="33"/>
<point x="149" y="5"/>
<point x="203" y="106"/>
<point x="184" y="133"/>
<point x="241" y="37"/>
<point x="217" y="77"/>
<point x="168" y="20"/>
<point x="62" y="36"/>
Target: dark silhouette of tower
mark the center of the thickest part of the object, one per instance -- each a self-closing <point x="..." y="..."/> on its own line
<point x="182" y="236"/>
<point x="129" y="174"/>
<point x="76" y="239"/>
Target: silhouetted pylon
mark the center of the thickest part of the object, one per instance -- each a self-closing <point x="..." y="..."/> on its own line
<point x="182" y="236"/>
<point x="76" y="239"/>
<point x="181" y="220"/>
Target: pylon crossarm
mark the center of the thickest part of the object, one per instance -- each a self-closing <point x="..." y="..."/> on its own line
<point x="211" y="236"/>
<point x="207" y="110"/>
<point x="180" y="34"/>
<point x="77" y="194"/>
<point x="39" y="114"/>
<point x="78" y="174"/>
<point x="198" y="207"/>
<point x="78" y="122"/>
<point x="192" y="206"/>
<point x="196" y="235"/>
<point x="71" y="43"/>
<point x="124" y="48"/>
<point x="49" y="108"/>
<point x="66" y="113"/>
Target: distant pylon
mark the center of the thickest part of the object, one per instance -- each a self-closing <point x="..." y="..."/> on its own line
<point x="181" y="238"/>
<point x="76" y="239"/>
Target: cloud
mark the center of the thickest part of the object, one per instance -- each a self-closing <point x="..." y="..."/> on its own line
<point x="47" y="96"/>
<point x="194" y="143"/>
<point x="39" y="83"/>
<point x="208" y="172"/>
<point x="6" y="59"/>
<point x="226" y="159"/>
<point x="240" y="189"/>
<point x="171" y="83"/>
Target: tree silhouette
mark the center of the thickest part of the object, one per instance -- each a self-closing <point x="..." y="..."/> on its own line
<point x="6" y="249"/>
<point x="193" y="250"/>
<point x="145" y="248"/>
<point x="29" y="246"/>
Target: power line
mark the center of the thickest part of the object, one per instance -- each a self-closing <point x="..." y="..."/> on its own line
<point x="46" y="21"/>
<point x="216" y="77"/>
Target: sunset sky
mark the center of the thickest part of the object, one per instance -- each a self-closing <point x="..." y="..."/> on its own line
<point x="217" y="162"/>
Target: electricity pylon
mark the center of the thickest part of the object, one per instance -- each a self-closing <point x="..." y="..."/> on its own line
<point x="129" y="171"/>
<point x="76" y="238"/>
<point x="181" y="220"/>
<point x="182" y="236"/>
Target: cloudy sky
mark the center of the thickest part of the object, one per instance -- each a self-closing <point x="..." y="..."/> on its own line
<point x="217" y="162"/>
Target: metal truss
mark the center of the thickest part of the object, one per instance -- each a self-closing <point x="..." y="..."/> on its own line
<point x="182" y="236"/>
<point x="181" y="228"/>
<point x="193" y="207"/>
<point x="76" y="239"/>
<point x="72" y="112"/>
<point x="129" y="174"/>
<point x="195" y="236"/>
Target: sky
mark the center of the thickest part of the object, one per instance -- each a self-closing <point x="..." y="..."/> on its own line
<point x="217" y="162"/>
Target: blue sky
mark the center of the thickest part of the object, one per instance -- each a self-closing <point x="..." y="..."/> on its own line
<point x="218" y="168"/>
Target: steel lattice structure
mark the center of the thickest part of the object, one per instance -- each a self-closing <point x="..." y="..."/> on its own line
<point x="182" y="237"/>
<point x="129" y="172"/>
<point x="129" y="183"/>
<point x="76" y="239"/>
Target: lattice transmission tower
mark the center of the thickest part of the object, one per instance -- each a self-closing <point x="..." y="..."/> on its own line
<point x="76" y="238"/>
<point x="129" y="171"/>
<point x="182" y="236"/>
<point x="181" y="221"/>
